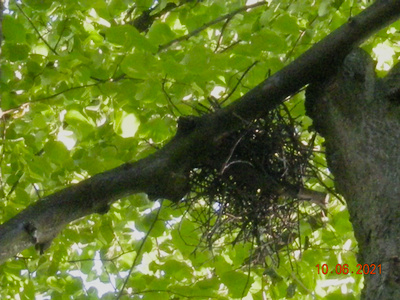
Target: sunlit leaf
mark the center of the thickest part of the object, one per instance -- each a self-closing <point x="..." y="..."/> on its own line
<point x="238" y="283"/>
<point x="13" y="30"/>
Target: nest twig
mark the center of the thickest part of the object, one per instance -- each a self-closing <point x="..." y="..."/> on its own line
<point x="249" y="189"/>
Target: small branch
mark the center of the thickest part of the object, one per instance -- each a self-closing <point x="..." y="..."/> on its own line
<point x="64" y="91"/>
<point x="329" y="189"/>
<point x="205" y="26"/>
<point x="37" y="31"/>
<point x="129" y="12"/>
<point x="248" y="269"/>
<point x="316" y="197"/>
<point x="299" y="39"/>
<point x="117" y="66"/>
<point x="169" y="98"/>
<point x="139" y="251"/>
<point x="222" y="34"/>
<point x="15" y="184"/>
<point x="62" y="32"/>
<point x="230" y="46"/>
<point x="239" y="81"/>
<point x="99" y="81"/>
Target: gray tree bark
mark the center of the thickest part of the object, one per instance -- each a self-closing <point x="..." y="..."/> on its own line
<point x="359" y="116"/>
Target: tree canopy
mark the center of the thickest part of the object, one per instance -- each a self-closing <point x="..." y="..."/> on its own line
<point x="88" y="86"/>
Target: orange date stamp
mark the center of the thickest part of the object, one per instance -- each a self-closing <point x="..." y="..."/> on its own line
<point x="365" y="269"/>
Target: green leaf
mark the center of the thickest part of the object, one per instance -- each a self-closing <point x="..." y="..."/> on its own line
<point x="39" y="121"/>
<point x="149" y="222"/>
<point x="80" y="124"/>
<point x="197" y="59"/>
<point x="141" y="200"/>
<point x="119" y="35"/>
<point x="340" y="296"/>
<point x="337" y="3"/>
<point x="186" y="237"/>
<point x="15" y="52"/>
<point x="29" y="291"/>
<point x="126" y="124"/>
<point x="341" y="222"/>
<point x="323" y="8"/>
<point x="39" y="169"/>
<point x="287" y="24"/>
<point x="73" y="116"/>
<point x="39" y="4"/>
<point x="237" y="283"/>
<point x="106" y="232"/>
<point x="208" y="284"/>
<point x="138" y="65"/>
<point x="160" y="33"/>
<point x="176" y="269"/>
<point x="56" y="151"/>
<point x="13" y="30"/>
<point x="128" y="36"/>
<point x="268" y="40"/>
<point x="55" y="284"/>
<point x="87" y="266"/>
<point x="156" y="129"/>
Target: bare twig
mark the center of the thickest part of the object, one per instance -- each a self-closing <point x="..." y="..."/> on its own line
<point x="139" y="251"/>
<point x="26" y="104"/>
<point x="222" y="34"/>
<point x="230" y="46"/>
<point x="299" y="39"/>
<point x="248" y="269"/>
<point x="329" y="189"/>
<point x="239" y="81"/>
<point x="62" y="32"/>
<point x="64" y="91"/>
<point x="37" y="31"/>
<point x="169" y="99"/>
<point x="129" y="12"/>
<point x="205" y="26"/>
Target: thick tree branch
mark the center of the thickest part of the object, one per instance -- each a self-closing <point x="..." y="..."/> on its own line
<point x="164" y="173"/>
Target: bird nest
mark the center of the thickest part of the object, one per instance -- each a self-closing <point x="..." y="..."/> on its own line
<point x="248" y="191"/>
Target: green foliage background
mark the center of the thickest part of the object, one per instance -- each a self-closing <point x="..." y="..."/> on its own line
<point x="78" y="71"/>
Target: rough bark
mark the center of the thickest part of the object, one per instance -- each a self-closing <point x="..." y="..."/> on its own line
<point x="164" y="174"/>
<point x="359" y="116"/>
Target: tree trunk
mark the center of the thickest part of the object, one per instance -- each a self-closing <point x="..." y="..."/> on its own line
<point x="359" y="116"/>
